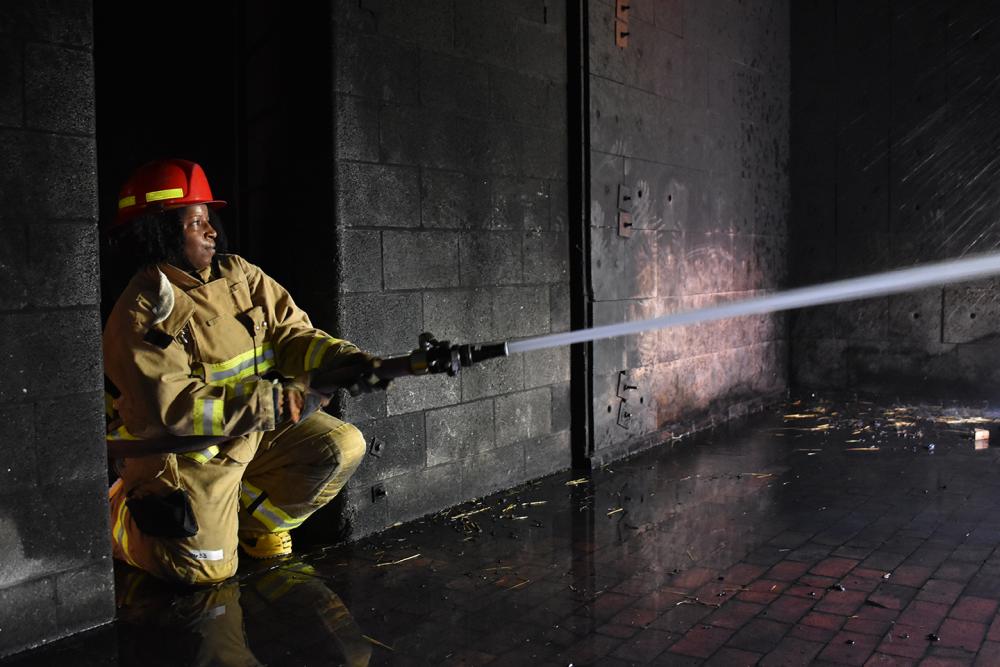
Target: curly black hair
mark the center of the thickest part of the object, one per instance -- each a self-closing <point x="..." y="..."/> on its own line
<point x="158" y="236"/>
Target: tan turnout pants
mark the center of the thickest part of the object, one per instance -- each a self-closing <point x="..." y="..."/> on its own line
<point x="295" y="470"/>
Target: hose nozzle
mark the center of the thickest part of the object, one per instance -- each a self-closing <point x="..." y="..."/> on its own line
<point x="473" y="354"/>
<point x="443" y="357"/>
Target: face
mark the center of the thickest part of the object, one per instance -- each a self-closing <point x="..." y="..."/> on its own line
<point x="199" y="236"/>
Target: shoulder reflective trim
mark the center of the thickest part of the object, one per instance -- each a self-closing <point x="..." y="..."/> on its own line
<point x="126" y="201"/>
<point x="208" y="416"/>
<point x="121" y="433"/>
<point x="206" y="554"/>
<point x="273" y="517"/>
<point x="160" y="195"/>
<point x="258" y="360"/>
<point x="204" y="456"/>
<point x="314" y="353"/>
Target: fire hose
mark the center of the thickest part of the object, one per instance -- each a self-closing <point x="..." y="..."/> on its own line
<point x="430" y="357"/>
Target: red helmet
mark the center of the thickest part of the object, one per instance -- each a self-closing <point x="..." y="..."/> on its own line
<point x="165" y="184"/>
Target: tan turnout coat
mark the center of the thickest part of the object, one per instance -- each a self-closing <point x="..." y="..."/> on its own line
<point x="186" y="355"/>
<point x="194" y="368"/>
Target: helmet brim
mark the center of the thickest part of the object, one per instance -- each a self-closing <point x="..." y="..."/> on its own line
<point x="214" y="203"/>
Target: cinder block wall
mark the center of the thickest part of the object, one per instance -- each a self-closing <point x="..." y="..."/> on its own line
<point x="55" y="569"/>
<point x="894" y="150"/>
<point x="451" y="176"/>
<point x="692" y="116"/>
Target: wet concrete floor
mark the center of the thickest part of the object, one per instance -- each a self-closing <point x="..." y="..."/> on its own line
<point x="838" y="533"/>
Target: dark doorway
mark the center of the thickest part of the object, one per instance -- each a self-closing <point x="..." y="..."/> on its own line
<point x="167" y="80"/>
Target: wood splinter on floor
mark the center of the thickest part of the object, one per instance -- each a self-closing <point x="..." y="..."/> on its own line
<point x="690" y="599"/>
<point x="397" y="562"/>
<point x="378" y="643"/>
<point x="471" y="513"/>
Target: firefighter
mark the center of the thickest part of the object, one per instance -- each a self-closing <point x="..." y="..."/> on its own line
<point x="203" y="343"/>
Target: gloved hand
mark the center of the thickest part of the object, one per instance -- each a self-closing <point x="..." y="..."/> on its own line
<point x="299" y="400"/>
<point x="366" y="381"/>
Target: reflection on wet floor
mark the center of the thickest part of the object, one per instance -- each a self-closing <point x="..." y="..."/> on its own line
<point x="282" y="615"/>
<point x="840" y="532"/>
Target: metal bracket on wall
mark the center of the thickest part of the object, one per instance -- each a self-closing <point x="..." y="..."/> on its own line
<point x="624" y="415"/>
<point x="624" y="211"/>
<point x="622" y="8"/>
<point x="625" y="385"/>
<point x="624" y="198"/>
<point x="375" y="448"/>
<point x="624" y="224"/>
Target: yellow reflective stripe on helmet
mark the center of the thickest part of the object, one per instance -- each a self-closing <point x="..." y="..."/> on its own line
<point x="121" y="433"/>
<point x="204" y="456"/>
<point x="314" y="353"/>
<point x="269" y="514"/>
<point x="126" y="201"/>
<point x="160" y="195"/>
<point x="256" y="361"/>
<point x="208" y="416"/>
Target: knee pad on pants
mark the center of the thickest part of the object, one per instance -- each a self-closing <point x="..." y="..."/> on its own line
<point x="348" y="445"/>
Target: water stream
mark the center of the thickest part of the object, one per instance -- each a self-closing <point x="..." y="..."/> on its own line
<point x="864" y="287"/>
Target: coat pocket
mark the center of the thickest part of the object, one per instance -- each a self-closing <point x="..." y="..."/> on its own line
<point x="240" y="292"/>
<point x="254" y="322"/>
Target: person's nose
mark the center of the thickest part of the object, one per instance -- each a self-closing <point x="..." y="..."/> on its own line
<point x="210" y="232"/>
